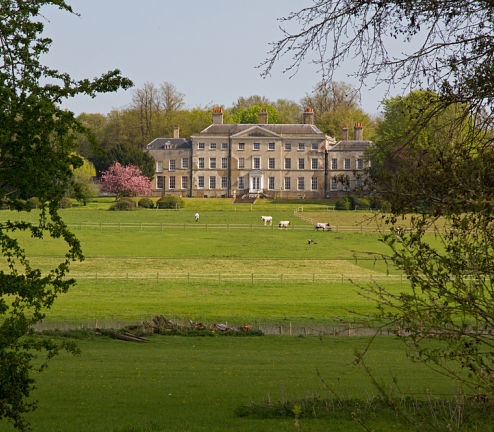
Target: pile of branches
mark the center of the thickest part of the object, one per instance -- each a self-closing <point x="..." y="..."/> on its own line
<point x="162" y="325"/>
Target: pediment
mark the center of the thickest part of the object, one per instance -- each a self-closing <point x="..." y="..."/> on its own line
<point x="256" y="132"/>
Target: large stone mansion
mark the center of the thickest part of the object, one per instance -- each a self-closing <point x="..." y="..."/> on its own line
<point x="272" y="160"/>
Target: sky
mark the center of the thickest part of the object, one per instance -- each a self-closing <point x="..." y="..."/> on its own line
<point x="209" y="50"/>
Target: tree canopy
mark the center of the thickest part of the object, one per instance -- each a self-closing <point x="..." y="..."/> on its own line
<point x="125" y="181"/>
<point x="432" y="161"/>
<point x="37" y="141"/>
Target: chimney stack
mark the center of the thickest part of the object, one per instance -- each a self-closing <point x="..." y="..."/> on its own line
<point x="308" y="116"/>
<point x="263" y="117"/>
<point x="217" y="115"/>
<point x="176" y="132"/>
<point x="358" y="134"/>
<point x="345" y="133"/>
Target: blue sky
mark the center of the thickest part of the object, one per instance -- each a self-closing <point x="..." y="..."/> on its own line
<point x="209" y="50"/>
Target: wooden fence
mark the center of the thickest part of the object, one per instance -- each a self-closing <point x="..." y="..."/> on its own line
<point x="207" y="226"/>
<point x="246" y="277"/>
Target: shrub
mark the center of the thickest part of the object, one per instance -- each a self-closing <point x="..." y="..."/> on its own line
<point x="343" y="204"/>
<point x="361" y="204"/>
<point x="145" y="203"/>
<point x="170" y="202"/>
<point x="34" y="202"/>
<point x="123" y="204"/>
<point x="66" y="202"/>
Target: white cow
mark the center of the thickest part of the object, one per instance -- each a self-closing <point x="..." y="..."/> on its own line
<point x="268" y="220"/>
<point x="283" y="224"/>
<point x="322" y="226"/>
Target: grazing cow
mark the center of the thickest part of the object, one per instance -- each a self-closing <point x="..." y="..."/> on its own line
<point x="284" y="224"/>
<point x="268" y="220"/>
<point x="322" y="226"/>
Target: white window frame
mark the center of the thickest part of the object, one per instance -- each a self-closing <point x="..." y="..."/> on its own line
<point x="287" y="183"/>
<point x="271" y="183"/>
<point x="313" y="183"/>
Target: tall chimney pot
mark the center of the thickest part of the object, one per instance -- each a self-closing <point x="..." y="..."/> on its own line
<point x="345" y="133"/>
<point x="308" y="116"/>
<point x="217" y="115"/>
<point x="263" y="117"/>
<point x="358" y="132"/>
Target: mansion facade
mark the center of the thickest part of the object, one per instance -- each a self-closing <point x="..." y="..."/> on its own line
<point x="271" y="160"/>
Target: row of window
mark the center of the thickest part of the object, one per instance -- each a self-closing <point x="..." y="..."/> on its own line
<point x="256" y="163"/>
<point x="257" y="146"/>
<point x="287" y="183"/>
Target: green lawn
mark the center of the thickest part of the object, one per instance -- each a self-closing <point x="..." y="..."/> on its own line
<point x="226" y="268"/>
<point x="196" y="383"/>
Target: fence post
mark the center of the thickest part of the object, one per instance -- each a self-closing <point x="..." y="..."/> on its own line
<point x="252" y="277"/>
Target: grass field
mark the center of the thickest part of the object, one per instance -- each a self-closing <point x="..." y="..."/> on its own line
<point x="197" y="383"/>
<point x="226" y="268"/>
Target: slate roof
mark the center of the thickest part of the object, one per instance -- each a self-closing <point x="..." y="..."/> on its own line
<point x="169" y="143"/>
<point x="280" y="129"/>
<point x="352" y="145"/>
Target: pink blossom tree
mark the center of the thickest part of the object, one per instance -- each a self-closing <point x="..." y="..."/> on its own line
<point x="125" y="181"/>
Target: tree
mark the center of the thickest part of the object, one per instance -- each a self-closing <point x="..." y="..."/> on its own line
<point x="290" y="112"/>
<point x="83" y="186"/>
<point x="336" y="104"/>
<point x="127" y="154"/>
<point x="156" y="107"/>
<point x="446" y="141"/>
<point x="36" y="160"/>
<point x="125" y="181"/>
<point x="246" y="113"/>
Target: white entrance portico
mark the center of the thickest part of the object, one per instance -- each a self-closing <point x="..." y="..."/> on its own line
<point x="256" y="182"/>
